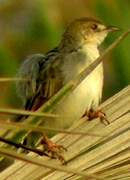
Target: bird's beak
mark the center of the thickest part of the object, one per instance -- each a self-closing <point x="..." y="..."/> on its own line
<point x="112" y="28"/>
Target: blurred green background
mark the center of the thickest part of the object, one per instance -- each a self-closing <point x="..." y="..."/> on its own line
<point x="28" y="27"/>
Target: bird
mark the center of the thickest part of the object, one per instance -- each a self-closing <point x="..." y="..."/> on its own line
<point x="48" y="73"/>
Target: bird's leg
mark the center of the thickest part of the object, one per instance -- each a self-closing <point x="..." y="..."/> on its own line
<point x="52" y="149"/>
<point x="91" y="114"/>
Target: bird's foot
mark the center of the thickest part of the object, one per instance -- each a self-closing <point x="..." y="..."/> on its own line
<point x="91" y="114"/>
<point x="52" y="149"/>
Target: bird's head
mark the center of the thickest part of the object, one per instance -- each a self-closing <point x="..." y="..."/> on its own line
<point x="86" y="30"/>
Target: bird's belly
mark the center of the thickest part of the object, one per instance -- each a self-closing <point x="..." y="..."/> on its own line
<point x="84" y="97"/>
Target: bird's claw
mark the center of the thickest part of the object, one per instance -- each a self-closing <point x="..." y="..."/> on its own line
<point x="52" y="149"/>
<point x="91" y="114"/>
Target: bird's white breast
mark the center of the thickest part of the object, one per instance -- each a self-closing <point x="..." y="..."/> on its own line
<point x="88" y="92"/>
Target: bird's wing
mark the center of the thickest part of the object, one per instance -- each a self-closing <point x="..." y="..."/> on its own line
<point x="44" y="79"/>
<point x="49" y="80"/>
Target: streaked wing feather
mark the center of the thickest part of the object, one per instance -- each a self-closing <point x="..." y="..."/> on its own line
<point x="48" y="83"/>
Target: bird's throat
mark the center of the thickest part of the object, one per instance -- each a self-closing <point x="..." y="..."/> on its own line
<point x="92" y="52"/>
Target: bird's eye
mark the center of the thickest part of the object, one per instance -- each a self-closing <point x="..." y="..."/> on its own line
<point x="94" y="26"/>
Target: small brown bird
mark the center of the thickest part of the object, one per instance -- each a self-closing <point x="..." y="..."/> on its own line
<point x="50" y="72"/>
